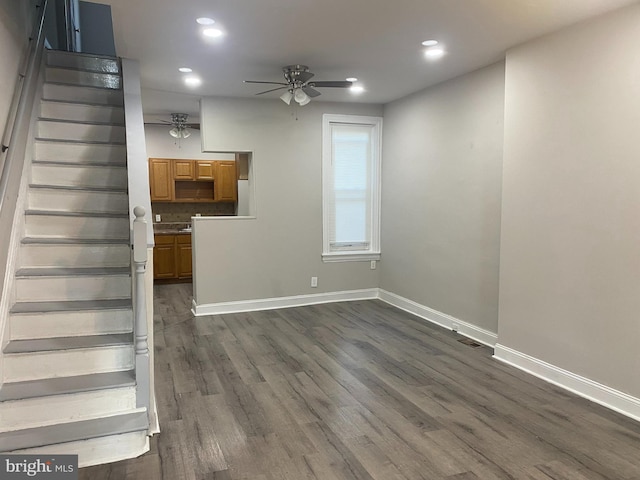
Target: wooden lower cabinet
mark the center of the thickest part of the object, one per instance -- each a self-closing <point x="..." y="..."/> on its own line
<point x="183" y="254"/>
<point x="172" y="257"/>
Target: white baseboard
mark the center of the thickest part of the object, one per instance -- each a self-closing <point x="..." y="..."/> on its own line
<point x="584" y="387"/>
<point x="442" y="319"/>
<point x="283" y="302"/>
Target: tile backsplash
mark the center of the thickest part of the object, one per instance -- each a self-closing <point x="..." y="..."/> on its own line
<point x="182" y="212"/>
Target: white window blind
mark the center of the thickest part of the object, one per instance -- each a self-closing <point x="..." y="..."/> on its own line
<point x="351" y="185"/>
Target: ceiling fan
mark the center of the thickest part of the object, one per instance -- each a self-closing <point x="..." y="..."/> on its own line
<point x="180" y="126"/>
<point x="298" y="85"/>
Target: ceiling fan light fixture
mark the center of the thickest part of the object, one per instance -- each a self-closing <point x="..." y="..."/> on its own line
<point x="286" y="97"/>
<point x="301" y="97"/>
<point x="174" y="132"/>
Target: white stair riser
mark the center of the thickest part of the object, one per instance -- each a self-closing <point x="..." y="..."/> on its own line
<point x="67" y="363"/>
<point x="50" y="410"/>
<point x="72" y="324"/>
<point x="83" y="78"/>
<point x="80" y="153"/>
<point x="78" y="255"/>
<point x="79" y="176"/>
<point x="81" y="132"/>
<point x="82" y="113"/>
<point x="83" y="62"/>
<point x="70" y="93"/>
<point x="76" y="227"/>
<point x="77" y="201"/>
<point x="97" y="451"/>
<point x="81" y="287"/>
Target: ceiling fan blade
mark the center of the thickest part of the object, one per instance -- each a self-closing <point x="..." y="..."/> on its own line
<point x="272" y="90"/>
<point x="337" y="84"/>
<point x="270" y="83"/>
<point x="312" y="92"/>
<point x="304" y="77"/>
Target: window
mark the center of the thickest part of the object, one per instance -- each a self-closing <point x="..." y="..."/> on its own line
<point x="351" y="147"/>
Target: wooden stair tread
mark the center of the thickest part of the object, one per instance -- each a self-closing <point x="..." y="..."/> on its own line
<point x="74" y="430"/>
<point x="65" y="385"/>
<point x="71" y="271"/>
<point x="71" y="306"/>
<point x="68" y="343"/>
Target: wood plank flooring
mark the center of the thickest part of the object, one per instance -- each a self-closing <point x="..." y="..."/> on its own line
<point x="358" y="391"/>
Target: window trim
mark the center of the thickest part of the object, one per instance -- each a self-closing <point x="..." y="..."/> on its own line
<point x="373" y="252"/>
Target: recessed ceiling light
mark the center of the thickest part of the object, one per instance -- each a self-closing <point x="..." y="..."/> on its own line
<point x="205" y="21"/>
<point x="212" y="32"/>
<point x="436" y="52"/>
<point x="352" y="79"/>
<point x="357" y="89"/>
<point x="192" y="81"/>
<point x="430" y="43"/>
<point x="185" y="70"/>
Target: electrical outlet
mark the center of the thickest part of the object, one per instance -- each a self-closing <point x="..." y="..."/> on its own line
<point x="455" y="327"/>
<point x="198" y="215"/>
<point x="373" y="264"/>
<point x="314" y="282"/>
<point x="158" y="218"/>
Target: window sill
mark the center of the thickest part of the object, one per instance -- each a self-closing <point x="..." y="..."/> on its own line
<point x="350" y="257"/>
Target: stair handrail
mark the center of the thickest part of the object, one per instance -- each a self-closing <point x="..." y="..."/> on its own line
<point x="16" y="134"/>
<point x="17" y="124"/>
<point x="141" y="238"/>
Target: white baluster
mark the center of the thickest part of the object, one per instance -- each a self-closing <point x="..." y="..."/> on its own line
<point x="140" y="311"/>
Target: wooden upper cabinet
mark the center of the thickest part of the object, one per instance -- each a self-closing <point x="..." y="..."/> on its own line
<point x="205" y="170"/>
<point x="226" y="183"/>
<point x="161" y="179"/>
<point x="184" y="170"/>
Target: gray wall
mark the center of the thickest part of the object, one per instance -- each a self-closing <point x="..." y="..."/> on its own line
<point x="441" y="178"/>
<point x="14" y="30"/>
<point x="162" y="145"/>
<point x="570" y="247"/>
<point x="275" y="254"/>
<point x="96" y="29"/>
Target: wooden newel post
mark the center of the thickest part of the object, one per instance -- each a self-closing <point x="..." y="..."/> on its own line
<point x="140" y="309"/>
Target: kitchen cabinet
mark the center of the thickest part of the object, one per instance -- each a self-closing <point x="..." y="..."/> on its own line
<point x="183" y="170"/>
<point x="226" y="183"/>
<point x="161" y="179"/>
<point x="172" y="257"/>
<point x="205" y="170"/>
<point x="193" y="181"/>
<point x="183" y="256"/>
<point x="164" y="257"/>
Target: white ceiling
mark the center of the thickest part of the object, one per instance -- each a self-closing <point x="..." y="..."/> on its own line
<point x="377" y="41"/>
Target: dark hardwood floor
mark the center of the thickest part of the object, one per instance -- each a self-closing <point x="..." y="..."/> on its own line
<point x="358" y="390"/>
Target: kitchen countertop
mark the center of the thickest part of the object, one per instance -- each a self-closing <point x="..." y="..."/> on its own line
<point x="171" y="228"/>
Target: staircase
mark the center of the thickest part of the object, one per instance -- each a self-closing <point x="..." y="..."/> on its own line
<point x="68" y="368"/>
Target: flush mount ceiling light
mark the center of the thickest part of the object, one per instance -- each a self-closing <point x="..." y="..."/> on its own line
<point x="430" y="43"/>
<point x="434" y="52"/>
<point x="180" y="128"/>
<point x="205" y="21"/>
<point x="192" y="81"/>
<point x="185" y="70"/>
<point x="212" y="32"/>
